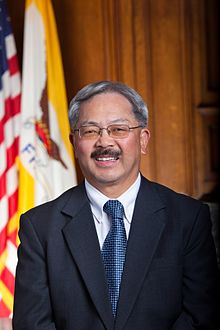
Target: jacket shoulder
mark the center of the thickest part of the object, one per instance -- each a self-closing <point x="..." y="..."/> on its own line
<point x="75" y="195"/>
<point x="172" y="198"/>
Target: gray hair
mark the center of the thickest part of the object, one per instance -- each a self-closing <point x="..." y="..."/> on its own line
<point x="139" y="108"/>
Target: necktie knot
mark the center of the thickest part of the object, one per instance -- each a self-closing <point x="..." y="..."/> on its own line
<point x="114" y="209"/>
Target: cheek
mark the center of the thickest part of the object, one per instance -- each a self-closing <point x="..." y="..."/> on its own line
<point x="132" y="147"/>
<point x="82" y="150"/>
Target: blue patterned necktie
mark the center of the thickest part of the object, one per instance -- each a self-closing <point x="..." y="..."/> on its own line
<point x="114" y="250"/>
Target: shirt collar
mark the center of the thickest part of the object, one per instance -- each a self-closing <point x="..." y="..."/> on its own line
<point x="98" y="199"/>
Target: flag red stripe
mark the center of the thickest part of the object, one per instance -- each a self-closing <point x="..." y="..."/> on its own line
<point x="12" y="152"/>
<point x="2" y="185"/>
<point x="13" y="237"/>
<point x="1" y="131"/>
<point x="13" y="65"/>
<point x="12" y="204"/>
<point x="3" y="239"/>
<point x="12" y="108"/>
<point x="11" y="155"/>
<point x="8" y="279"/>
<point x="4" y="311"/>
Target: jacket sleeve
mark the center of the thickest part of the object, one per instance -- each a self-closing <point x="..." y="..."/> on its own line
<point x="200" y="277"/>
<point x="32" y="305"/>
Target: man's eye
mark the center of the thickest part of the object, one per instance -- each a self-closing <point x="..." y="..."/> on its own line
<point x="118" y="129"/>
<point x="90" y="132"/>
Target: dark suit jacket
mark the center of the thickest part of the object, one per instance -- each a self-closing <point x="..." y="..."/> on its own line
<point x="169" y="279"/>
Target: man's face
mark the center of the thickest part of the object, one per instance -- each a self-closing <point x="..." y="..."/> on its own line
<point x="107" y="162"/>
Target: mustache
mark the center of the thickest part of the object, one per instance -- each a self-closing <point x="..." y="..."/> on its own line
<point x="105" y="152"/>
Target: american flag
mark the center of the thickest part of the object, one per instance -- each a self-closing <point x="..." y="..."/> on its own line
<point x="10" y="94"/>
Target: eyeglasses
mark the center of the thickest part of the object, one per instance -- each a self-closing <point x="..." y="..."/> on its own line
<point x="115" y="131"/>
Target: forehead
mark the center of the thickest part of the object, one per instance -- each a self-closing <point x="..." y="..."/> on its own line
<point x="109" y="100"/>
<point x="108" y="106"/>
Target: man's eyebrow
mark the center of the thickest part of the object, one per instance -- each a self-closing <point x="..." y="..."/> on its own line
<point x="95" y="123"/>
<point x="119" y="120"/>
<point x="88" y="123"/>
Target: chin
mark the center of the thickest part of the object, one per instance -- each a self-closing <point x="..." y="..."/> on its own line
<point x="105" y="179"/>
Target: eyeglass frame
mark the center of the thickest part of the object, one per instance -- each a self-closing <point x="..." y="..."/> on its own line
<point x="107" y="130"/>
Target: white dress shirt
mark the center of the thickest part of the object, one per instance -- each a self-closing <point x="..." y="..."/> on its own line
<point x="101" y="219"/>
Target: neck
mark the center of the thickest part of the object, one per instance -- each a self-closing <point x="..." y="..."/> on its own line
<point x="113" y="190"/>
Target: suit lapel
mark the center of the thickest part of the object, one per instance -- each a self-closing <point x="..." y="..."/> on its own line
<point x="80" y="235"/>
<point x="146" y="229"/>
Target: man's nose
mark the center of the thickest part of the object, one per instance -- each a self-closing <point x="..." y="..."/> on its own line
<point x="104" y="139"/>
<point x="103" y="130"/>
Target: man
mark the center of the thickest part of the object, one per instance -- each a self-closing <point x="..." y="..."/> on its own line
<point x="117" y="251"/>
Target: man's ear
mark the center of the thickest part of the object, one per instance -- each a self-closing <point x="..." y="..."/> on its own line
<point x="72" y="141"/>
<point x="71" y="138"/>
<point x="144" y="139"/>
